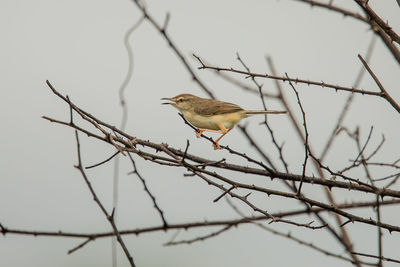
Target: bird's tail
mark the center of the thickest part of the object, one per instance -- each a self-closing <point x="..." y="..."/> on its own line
<point x="252" y="112"/>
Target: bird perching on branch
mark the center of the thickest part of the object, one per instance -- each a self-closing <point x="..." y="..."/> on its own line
<point x="212" y="115"/>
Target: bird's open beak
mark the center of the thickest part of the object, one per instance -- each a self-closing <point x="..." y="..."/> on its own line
<point x="169" y="99"/>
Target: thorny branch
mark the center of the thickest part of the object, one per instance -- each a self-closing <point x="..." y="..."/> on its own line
<point x="109" y="217"/>
<point x="153" y="199"/>
<point x="174" y="156"/>
<point x="355" y="205"/>
<point x="349" y="101"/>
<point x="345" y="238"/>
<point x="271" y="132"/>
<point x="377" y="24"/>
<point x="383" y="94"/>
<point x="201" y="238"/>
<point x="284" y="79"/>
<point x="306" y="147"/>
<point x="213" y="172"/>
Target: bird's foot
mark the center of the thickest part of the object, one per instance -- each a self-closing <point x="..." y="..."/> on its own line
<point x="216" y="146"/>
<point x="198" y="133"/>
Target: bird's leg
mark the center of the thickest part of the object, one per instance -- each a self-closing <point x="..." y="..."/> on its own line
<point x="201" y="130"/>
<point x="224" y="132"/>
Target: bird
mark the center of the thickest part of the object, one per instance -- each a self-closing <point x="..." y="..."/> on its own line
<point x="212" y="115"/>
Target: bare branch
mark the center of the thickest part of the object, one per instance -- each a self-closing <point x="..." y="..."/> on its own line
<point x="200" y="238"/>
<point x="376" y="257"/>
<point x="385" y="94"/>
<point x="146" y="189"/>
<point x="102" y="162"/>
<point x="110" y="217"/>
<point x="294" y="80"/>
<point x="306" y="147"/>
<point x="172" y="45"/>
<point x="374" y="17"/>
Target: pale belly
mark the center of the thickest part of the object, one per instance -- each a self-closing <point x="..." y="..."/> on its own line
<point x="215" y="122"/>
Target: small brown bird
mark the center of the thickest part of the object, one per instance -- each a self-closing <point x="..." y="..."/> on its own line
<point x="212" y="115"/>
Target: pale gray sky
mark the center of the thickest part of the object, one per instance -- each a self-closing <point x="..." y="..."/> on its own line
<point x="78" y="46"/>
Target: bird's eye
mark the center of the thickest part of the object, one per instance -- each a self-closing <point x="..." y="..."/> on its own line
<point x="179" y="100"/>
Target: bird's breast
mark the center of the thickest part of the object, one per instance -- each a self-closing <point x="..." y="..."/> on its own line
<point x="213" y="122"/>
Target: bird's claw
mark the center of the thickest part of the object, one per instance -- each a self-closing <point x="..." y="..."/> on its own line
<point x="216" y="146"/>
<point x="198" y="133"/>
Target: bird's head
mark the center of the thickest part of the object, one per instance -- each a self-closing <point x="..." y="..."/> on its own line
<point x="181" y="102"/>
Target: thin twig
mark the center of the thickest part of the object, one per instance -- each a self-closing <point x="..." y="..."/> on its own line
<point x="376" y="257"/>
<point x="349" y="100"/>
<point x="306" y="147"/>
<point x="104" y="161"/>
<point x="294" y="80"/>
<point x="153" y="199"/>
<point x="110" y="217"/>
<point x="271" y="132"/>
<point x="173" y="46"/>
<point x="372" y="16"/>
<point x="200" y="238"/>
<point x="384" y="93"/>
<point x="81" y="245"/>
<point x="342" y="239"/>
<point x="366" y="19"/>
<point x="370" y="204"/>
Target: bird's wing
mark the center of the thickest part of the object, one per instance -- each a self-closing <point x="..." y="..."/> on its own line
<point x="216" y="107"/>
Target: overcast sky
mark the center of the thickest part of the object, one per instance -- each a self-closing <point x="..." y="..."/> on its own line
<point x="78" y="46"/>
